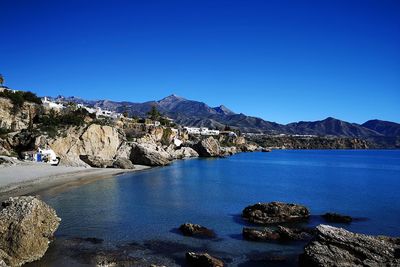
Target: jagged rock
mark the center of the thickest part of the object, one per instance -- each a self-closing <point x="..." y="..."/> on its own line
<point x="203" y="260"/>
<point x="339" y="247"/>
<point x="95" y="140"/>
<point x="265" y="234"/>
<point x="208" y="147"/>
<point x="228" y="151"/>
<point x="249" y="147"/>
<point x="97" y="162"/>
<point x="190" y="229"/>
<point x="16" y="118"/>
<point x="4" y="148"/>
<point x="27" y="225"/>
<point x="184" y="152"/>
<point x="337" y="218"/>
<point x="292" y="234"/>
<point x="123" y="163"/>
<point x="280" y="234"/>
<point x="149" y="154"/>
<point x="7" y="161"/>
<point x="275" y="212"/>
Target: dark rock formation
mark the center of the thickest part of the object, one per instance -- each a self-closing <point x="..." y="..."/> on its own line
<point x="149" y="154"/>
<point x="275" y="212"/>
<point x="190" y="229"/>
<point x="208" y="147"/>
<point x="280" y="234"/>
<point x="265" y="234"/>
<point x="123" y="163"/>
<point x="337" y="218"/>
<point x="291" y="234"/>
<point x="95" y="161"/>
<point x="26" y="228"/>
<point x="338" y="247"/>
<point x="203" y="260"/>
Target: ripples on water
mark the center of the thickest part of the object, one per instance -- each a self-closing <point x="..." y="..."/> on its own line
<point x="144" y="208"/>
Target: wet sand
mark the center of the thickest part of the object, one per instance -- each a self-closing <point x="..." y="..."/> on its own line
<point x="33" y="178"/>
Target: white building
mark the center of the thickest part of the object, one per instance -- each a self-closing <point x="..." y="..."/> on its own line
<point x="52" y="105"/>
<point x="201" y="131"/>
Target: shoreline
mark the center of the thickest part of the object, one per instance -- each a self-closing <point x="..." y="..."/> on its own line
<point x="35" y="178"/>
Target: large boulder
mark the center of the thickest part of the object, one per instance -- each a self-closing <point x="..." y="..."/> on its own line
<point x="95" y="140"/>
<point x="228" y="151"/>
<point x="27" y="225"/>
<point x="95" y="161"/>
<point x="339" y="247"/>
<point x="123" y="163"/>
<point x="275" y="212"/>
<point x="149" y="154"/>
<point x="183" y="152"/>
<point x="208" y="147"/>
<point x="190" y="229"/>
<point x="203" y="260"/>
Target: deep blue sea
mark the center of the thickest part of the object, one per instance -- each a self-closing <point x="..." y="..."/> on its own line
<point x="145" y="208"/>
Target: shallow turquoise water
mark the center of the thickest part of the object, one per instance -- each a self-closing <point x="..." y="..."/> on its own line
<point x="148" y="205"/>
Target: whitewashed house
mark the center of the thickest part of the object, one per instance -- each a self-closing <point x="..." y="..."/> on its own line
<point x="52" y="105"/>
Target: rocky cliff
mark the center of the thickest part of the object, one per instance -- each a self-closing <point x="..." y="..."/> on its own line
<point x="16" y="118"/>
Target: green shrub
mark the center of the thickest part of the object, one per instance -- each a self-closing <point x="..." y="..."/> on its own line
<point x="18" y="98"/>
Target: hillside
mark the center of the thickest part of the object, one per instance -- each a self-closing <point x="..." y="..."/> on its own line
<point x="198" y="114"/>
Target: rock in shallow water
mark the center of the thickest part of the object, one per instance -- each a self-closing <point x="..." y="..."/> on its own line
<point x="339" y="247"/>
<point x="337" y="218"/>
<point x="275" y="212"/>
<point x="190" y="229"/>
<point x="208" y="147"/>
<point x="280" y="234"/>
<point x="27" y="225"/>
<point x="203" y="260"/>
<point x="149" y="154"/>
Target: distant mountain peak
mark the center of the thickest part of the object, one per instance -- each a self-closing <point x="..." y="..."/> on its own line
<point x="224" y="110"/>
<point x="172" y="97"/>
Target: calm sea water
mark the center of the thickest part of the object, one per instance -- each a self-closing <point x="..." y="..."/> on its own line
<point x="146" y="207"/>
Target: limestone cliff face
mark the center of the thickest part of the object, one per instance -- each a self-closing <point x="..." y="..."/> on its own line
<point x="95" y="140"/>
<point x="14" y="118"/>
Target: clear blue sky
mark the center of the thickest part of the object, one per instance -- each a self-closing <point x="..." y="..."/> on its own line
<point x="280" y="60"/>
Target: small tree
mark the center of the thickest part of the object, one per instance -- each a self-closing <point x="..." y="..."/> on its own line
<point x="154" y="114"/>
<point x="1" y="79"/>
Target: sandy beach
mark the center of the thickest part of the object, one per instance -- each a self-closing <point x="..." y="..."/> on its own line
<point x="31" y="178"/>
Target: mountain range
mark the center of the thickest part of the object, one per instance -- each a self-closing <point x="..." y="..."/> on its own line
<point x="198" y="114"/>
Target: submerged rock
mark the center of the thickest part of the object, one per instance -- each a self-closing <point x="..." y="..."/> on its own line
<point x="339" y="247"/>
<point x="265" y="234"/>
<point x="190" y="229"/>
<point x="27" y="225"/>
<point x="275" y="212"/>
<point x="280" y="234"/>
<point x="203" y="260"/>
<point x="337" y="218"/>
<point x="208" y="147"/>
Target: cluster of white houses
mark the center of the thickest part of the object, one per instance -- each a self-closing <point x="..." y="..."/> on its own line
<point x="201" y="131"/>
<point x="95" y="110"/>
